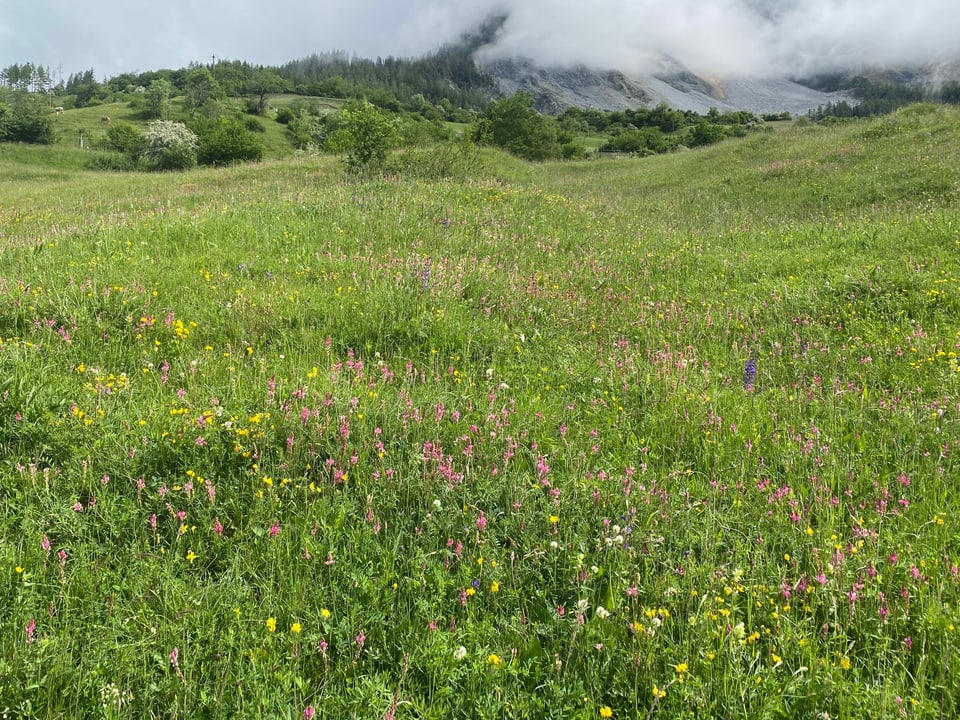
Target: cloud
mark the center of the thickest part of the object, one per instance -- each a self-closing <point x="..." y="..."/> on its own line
<point x="731" y="37"/>
<point x="717" y="37"/>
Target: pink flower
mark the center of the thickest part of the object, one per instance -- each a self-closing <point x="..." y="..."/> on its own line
<point x="481" y="522"/>
<point x="274" y="530"/>
<point x="361" y="639"/>
<point x="308" y="712"/>
<point x="175" y="658"/>
<point x="29" y="629"/>
<point x="217" y="527"/>
<point x="77" y="507"/>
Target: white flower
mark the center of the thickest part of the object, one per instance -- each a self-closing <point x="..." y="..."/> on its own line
<point x="436" y="503"/>
<point x="602" y="612"/>
<point x="460" y="653"/>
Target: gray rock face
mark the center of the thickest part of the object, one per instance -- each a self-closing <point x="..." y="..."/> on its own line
<point x="556" y="89"/>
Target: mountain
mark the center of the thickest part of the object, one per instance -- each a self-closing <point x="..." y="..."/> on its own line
<point x="556" y="89"/>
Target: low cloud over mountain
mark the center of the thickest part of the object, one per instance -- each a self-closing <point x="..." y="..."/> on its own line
<point x="714" y="38"/>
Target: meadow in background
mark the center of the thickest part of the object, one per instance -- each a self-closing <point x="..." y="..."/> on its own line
<point x="630" y="438"/>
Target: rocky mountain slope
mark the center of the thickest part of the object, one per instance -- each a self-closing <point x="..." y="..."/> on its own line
<point x="557" y="89"/>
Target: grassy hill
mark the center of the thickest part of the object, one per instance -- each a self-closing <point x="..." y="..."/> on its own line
<point x="610" y="438"/>
<point x="88" y="123"/>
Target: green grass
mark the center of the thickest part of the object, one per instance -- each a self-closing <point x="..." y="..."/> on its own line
<point x="275" y="440"/>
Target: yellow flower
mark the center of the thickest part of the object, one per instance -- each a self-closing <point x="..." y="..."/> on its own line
<point x="191" y="556"/>
<point x="271" y="624"/>
<point x="844" y="663"/>
<point x="606" y="712"/>
<point x="296" y="628"/>
<point x="324" y="613"/>
<point x="494" y="586"/>
<point x="554" y="519"/>
<point x="494" y="659"/>
<point x="659" y="693"/>
<point x="680" y="667"/>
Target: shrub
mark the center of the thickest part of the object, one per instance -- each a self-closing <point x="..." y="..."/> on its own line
<point x="26" y="120"/>
<point x="125" y="138"/>
<point x="514" y="124"/>
<point x="254" y="125"/>
<point x="707" y="134"/>
<point x="227" y="140"/>
<point x="367" y="136"/>
<point x="285" y="116"/>
<point x="169" y="145"/>
<point x="307" y="131"/>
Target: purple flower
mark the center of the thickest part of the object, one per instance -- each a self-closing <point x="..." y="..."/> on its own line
<point x="749" y="374"/>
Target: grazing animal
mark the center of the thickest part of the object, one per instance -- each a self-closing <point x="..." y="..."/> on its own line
<point x="58" y="109"/>
<point x="105" y="120"/>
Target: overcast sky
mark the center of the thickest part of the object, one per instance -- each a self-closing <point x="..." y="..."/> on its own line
<point x="718" y="37"/>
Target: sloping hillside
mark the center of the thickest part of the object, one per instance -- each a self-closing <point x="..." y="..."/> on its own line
<point x="556" y="89"/>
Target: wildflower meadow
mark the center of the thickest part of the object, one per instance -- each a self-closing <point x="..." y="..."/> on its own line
<point x="663" y="437"/>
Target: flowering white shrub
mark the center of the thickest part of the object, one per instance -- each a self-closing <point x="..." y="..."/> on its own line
<point x="169" y="145"/>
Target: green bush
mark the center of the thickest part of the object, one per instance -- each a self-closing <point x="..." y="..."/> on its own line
<point x="514" y="124"/>
<point x="125" y="138"/>
<point x="227" y="140"/>
<point x="26" y="120"/>
<point x="367" y="136"/>
<point x="707" y="134"/>
<point x="285" y="116"/>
